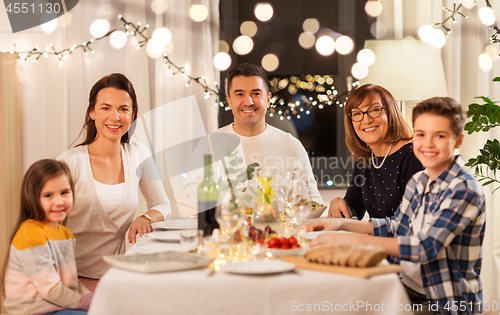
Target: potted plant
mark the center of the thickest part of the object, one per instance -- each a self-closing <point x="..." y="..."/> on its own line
<point x="485" y="117"/>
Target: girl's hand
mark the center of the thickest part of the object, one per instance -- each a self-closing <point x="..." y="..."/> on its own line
<point x="332" y="225"/>
<point x="141" y="225"/>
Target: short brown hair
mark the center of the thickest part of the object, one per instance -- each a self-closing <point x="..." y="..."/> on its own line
<point x="247" y="70"/>
<point x="442" y="106"/>
<point x="398" y="128"/>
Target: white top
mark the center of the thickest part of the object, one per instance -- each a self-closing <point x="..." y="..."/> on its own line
<point x="277" y="149"/>
<point x="412" y="276"/>
<point x="97" y="232"/>
<point x="109" y="195"/>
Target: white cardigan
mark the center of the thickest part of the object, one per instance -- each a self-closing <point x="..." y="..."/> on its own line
<point x="97" y="233"/>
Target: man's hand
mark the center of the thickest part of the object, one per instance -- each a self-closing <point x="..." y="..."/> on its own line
<point x="339" y="209"/>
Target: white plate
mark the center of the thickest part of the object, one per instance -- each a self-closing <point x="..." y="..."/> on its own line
<point x="258" y="267"/>
<point x="176" y="224"/>
<point x="285" y="252"/>
<point x="165" y="236"/>
<point x="316" y="213"/>
<point x="159" y="262"/>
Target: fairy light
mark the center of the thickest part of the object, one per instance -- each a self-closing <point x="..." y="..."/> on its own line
<point x="141" y="40"/>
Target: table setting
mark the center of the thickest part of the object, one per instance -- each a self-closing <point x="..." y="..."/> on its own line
<point x="256" y="264"/>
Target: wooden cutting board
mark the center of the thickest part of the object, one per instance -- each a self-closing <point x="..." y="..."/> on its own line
<point x="301" y="262"/>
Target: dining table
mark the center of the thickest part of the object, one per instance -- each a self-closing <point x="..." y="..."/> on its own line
<point x="203" y="291"/>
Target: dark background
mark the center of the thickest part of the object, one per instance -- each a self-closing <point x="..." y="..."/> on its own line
<point x="321" y="132"/>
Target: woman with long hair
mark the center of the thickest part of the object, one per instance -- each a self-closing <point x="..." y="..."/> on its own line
<point x="109" y="170"/>
<point x="380" y="143"/>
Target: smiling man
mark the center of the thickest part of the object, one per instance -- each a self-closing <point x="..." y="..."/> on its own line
<point x="248" y="97"/>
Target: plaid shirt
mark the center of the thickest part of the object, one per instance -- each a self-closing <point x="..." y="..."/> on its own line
<point x="448" y="248"/>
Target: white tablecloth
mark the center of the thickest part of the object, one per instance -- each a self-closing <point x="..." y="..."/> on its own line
<point x="195" y="292"/>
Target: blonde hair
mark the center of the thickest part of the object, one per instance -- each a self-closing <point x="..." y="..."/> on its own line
<point x="398" y="128"/>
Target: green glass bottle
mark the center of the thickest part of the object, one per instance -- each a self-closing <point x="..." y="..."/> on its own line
<point x="207" y="200"/>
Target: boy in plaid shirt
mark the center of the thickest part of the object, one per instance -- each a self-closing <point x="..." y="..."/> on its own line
<point x="438" y="230"/>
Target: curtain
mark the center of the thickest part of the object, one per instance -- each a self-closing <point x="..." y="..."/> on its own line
<point x="465" y="80"/>
<point x="10" y="150"/>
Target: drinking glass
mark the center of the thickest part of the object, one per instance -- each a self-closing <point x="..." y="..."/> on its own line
<point x="230" y="216"/>
<point x="289" y="194"/>
<point x="191" y="240"/>
<point x="303" y="207"/>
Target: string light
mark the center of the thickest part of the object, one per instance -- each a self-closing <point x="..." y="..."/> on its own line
<point x="139" y="32"/>
<point x="453" y="11"/>
<point x="327" y="94"/>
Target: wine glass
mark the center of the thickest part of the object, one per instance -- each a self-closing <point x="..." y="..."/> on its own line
<point x="303" y="206"/>
<point x="289" y="192"/>
<point x="230" y="216"/>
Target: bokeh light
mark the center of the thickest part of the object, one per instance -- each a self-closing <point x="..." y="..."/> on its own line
<point x="366" y="57"/>
<point x="162" y="36"/>
<point x="248" y="28"/>
<point x="425" y="32"/>
<point x="50" y="26"/>
<point x="198" y="12"/>
<point x="155" y="49"/>
<point x="344" y="45"/>
<point x="270" y="62"/>
<point x="307" y="40"/>
<point x="159" y="6"/>
<point x="492" y="51"/>
<point x="99" y="28"/>
<point x="378" y="30"/>
<point x="438" y="38"/>
<point x="325" y="45"/>
<point x="487" y="16"/>
<point x="242" y="45"/>
<point x="469" y="4"/>
<point x="222" y="61"/>
<point x="373" y="8"/>
<point x="310" y="25"/>
<point x="222" y="46"/>
<point x="485" y="62"/>
<point x="118" y="39"/>
<point x="264" y="11"/>
<point x="359" y="70"/>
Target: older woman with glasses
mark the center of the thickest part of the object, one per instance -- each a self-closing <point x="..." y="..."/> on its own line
<point x="380" y="142"/>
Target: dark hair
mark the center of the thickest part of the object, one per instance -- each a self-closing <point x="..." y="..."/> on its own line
<point x="442" y="106"/>
<point x="31" y="209"/>
<point x="247" y="70"/>
<point x="119" y="82"/>
<point x="398" y="128"/>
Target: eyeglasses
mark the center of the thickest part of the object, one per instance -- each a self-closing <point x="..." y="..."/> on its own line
<point x="358" y="115"/>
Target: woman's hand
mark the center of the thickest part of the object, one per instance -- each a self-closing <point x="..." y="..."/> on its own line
<point x="141" y="225"/>
<point x="339" y="209"/>
<point x="332" y="225"/>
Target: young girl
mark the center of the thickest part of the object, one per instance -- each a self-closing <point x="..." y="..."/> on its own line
<point x="39" y="275"/>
